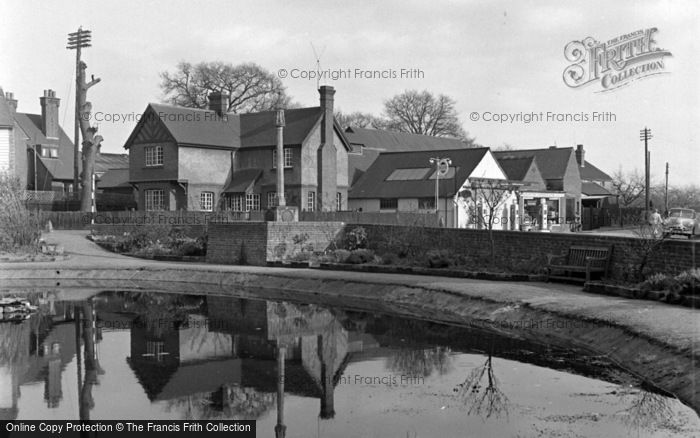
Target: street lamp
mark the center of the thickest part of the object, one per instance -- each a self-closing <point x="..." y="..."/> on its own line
<point x="442" y="166"/>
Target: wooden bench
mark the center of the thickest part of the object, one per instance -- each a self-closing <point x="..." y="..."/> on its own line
<point x="586" y="259"/>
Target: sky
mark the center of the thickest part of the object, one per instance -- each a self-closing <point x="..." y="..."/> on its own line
<point x="496" y="57"/>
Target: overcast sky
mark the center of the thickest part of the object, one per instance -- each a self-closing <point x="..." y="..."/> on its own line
<point x="499" y="57"/>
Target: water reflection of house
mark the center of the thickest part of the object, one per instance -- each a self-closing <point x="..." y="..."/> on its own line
<point x="173" y="360"/>
<point x="35" y="350"/>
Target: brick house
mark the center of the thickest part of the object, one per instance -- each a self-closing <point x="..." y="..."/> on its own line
<point x="196" y="159"/>
<point x="406" y="181"/>
<point x="34" y="147"/>
<point x="557" y="183"/>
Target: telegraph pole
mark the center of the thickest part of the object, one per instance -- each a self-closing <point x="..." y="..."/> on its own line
<point x="76" y="41"/>
<point x="666" y="191"/>
<point x="645" y="135"/>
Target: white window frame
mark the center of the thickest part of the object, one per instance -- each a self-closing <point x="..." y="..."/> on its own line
<point x="150" y="199"/>
<point x="338" y="201"/>
<point x="252" y="202"/>
<point x="288" y="158"/>
<point x="206" y="201"/>
<point x="311" y="201"/>
<point x="154" y="155"/>
<point x="271" y="199"/>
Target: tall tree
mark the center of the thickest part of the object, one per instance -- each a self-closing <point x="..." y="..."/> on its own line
<point x="251" y="88"/>
<point x="629" y="187"/>
<point x="420" y="112"/>
<point x="358" y="119"/>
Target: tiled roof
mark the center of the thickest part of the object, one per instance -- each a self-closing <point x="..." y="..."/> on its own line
<point x="193" y="126"/>
<point x="552" y="162"/>
<point x="593" y="189"/>
<point x="591" y="173"/>
<point x="373" y="183"/>
<point x="106" y="161"/>
<point x="114" y="178"/>
<point x="258" y="129"/>
<point x="242" y="180"/>
<point x="515" y="168"/>
<point x="390" y="141"/>
<point x="61" y="168"/>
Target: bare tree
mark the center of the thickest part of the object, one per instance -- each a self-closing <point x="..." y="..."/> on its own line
<point x="504" y="147"/>
<point x="359" y="119"/>
<point x="492" y="195"/>
<point x="480" y="392"/>
<point x="629" y="187"/>
<point x="91" y="141"/>
<point x="251" y="88"/>
<point x="420" y="112"/>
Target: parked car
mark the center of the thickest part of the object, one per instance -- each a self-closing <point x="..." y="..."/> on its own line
<point x="683" y="221"/>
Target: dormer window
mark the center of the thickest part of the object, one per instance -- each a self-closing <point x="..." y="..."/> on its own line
<point x="49" y="152"/>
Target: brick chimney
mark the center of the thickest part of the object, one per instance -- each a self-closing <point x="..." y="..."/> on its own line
<point x="327" y="167"/>
<point x="11" y="101"/>
<point x="580" y="155"/>
<point x="49" y="114"/>
<point x="219" y="102"/>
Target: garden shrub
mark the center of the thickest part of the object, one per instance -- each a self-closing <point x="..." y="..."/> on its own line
<point x="390" y="258"/>
<point x="658" y="282"/>
<point x="688" y="282"/>
<point x="356" y="239"/>
<point x="342" y="255"/>
<point x="360" y="256"/>
<point x="441" y="258"/>
<point x="19" y="228"/>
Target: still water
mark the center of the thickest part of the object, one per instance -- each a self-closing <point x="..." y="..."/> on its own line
<point x="137" y="355"/>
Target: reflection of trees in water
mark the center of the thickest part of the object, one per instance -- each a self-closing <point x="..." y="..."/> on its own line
<point x="480" y="392"/>
<point x="420" y="362"/>
<point x="644" y="408"/>
<point x="160" y="312"/>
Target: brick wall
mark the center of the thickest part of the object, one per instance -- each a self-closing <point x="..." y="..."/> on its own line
<point x="528" y="250"/>
<point x="286" y="239"/>
<point x="256" y="243"/>
<point x="239" y="243"/>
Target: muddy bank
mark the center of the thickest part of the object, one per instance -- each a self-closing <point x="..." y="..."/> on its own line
<point x="668" y="365"/>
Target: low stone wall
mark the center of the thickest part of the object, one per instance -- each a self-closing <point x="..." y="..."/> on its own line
<point x="256" y="243"/>
<point x="523" y="251"/>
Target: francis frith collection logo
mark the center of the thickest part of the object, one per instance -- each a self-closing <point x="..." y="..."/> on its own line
<point x="614" y="63"/>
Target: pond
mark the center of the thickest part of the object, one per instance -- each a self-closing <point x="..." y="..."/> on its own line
<point x="347" y="373"/>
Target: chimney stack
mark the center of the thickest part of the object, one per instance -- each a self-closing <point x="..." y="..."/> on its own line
<point x="580" y="155"/>
<point x="11" y="101"/>
<point x="219" y="102"/>
<point x="326" y="160"/>
<point x="49" y="114"/>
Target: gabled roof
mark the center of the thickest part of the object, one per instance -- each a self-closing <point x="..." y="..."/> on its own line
<point x="390" y="141"/>
<point x="552" y="162"/>
<point x="374" y="184"/>
<point x="593" y="189"/>
<point x="114" y="178"/>
<point x="591" y="173"/>
<point x="200" y="127"/>
<point x="61" y="168"/>
<point x="106" y="161"/>
<point x="515" y="168"/>
<point x="197" y="127"/>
